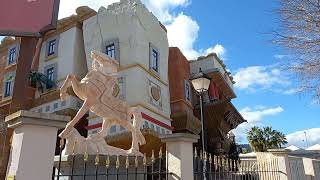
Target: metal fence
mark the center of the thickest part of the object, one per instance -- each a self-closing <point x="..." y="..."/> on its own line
<point x="98" y="167"/>
<point x="211" y="167"/>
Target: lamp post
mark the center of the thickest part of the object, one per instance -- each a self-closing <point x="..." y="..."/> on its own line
<point x="201" y="84"/>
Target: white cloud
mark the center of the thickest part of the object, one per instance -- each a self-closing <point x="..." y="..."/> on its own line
<point x="299" y="138"/>
<point x="281" y="56"/>
<point x="218" y="49"/>
<point x="183" y="32"/>
<point x="255" y="77"/>
<point x="254" y="117"/>
<point x="292" y="91"/>
<point x="182" y="29"/>
<point x="162" y="9"/>
<point x="67" y="7"/>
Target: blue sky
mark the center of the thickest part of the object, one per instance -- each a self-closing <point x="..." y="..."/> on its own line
<point x="238" y="32"/>
<point x="265" y="93"/>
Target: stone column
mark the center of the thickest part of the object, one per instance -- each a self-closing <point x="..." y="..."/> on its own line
<point x="283" y="163"/>
<point x="33" y="144"/>
<point x="179" y="149"/>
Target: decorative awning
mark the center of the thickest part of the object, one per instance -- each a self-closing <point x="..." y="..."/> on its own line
<point x="220" y="117"/>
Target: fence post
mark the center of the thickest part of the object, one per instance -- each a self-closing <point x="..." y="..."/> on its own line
<point x="283" y="163"/>
<point x="33" y="144"/>
<point x="179" y="150"/>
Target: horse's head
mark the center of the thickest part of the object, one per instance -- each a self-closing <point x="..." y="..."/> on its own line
<point x="109" y="66"/>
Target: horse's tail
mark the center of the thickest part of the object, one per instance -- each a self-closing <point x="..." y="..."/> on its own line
<point x="137" y="120"/>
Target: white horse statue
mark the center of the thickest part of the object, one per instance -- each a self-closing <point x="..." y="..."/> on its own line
<point x="98" y="89"/>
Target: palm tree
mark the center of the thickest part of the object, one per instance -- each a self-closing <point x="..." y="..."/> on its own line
<point x="262" y="139"/>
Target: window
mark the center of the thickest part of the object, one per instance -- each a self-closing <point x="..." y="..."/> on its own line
<point x="50" y="73"/>
<point x="158" y="129"/>
<point x="112" y="48"/>
<point x="155" y="60"/>
<point x="111" y="51"/>
<point x="12" y="55"/>
<point x="50" y="76"/>
<point x="162" y="131"/>
<point x="7" y="91"/>
<point x="55" y="106"/>
<point x="8" y="85"/>
<point x="51" y="47"/>
<point x="47" y="108"/>
<point x="187" y="91"/>
<point x="40" y="110"/>
<point x="63" y="103"/>
<point x="151" y="126"/>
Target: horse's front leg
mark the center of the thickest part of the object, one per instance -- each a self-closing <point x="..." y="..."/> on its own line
<point x="64" y="87"/>
<point x="87" y="104"/>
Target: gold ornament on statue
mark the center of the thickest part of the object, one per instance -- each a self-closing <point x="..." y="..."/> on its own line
<point x="116" y="90"/>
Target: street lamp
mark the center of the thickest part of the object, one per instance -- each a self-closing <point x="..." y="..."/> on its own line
<point x="201" y="84"/>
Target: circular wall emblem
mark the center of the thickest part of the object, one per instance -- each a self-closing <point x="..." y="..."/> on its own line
<point x="155" y="93"/>
<point x="116" y="90"/>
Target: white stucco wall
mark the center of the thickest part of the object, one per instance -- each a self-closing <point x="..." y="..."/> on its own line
<point x="70" y="57"/>
<point x="135" y="29"/>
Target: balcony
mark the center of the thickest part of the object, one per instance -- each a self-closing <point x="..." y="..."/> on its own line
<point x="220" y="117"/>
<point x="214" y="68"/>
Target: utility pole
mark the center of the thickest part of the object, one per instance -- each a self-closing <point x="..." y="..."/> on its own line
<point x="306" y="140"/>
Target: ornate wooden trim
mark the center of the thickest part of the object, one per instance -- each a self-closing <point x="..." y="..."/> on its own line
<point x="184" y="101"/>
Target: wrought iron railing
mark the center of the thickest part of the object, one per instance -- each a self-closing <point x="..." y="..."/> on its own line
<point x="96" y="167"/>
<point x="212" y="167"/>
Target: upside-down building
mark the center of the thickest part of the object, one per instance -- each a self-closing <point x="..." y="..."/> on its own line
<point x="152" y="76"/>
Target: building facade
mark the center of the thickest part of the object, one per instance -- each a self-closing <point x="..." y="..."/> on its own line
<point x="152" y="76"/>
<point x="62" y="53"/>
<point x="9" y="53"/>
<point x="220" y="116"/>
<point x="138" y="41"/>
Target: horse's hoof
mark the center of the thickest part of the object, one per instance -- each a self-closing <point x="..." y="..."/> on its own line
<point x="134" y="152"/>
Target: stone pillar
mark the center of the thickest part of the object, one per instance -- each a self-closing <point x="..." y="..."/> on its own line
<point x="33" y="144"/>
<point x="179" y="149"/>
<point x="283" y="163"/>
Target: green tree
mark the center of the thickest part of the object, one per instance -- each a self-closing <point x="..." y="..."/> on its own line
<point x="40" y="81"/>
<point x="262" y="139"/>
